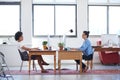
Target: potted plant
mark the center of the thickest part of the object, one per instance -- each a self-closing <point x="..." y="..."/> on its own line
<point x="44" y="43"/>
<point x="61" y="46"/>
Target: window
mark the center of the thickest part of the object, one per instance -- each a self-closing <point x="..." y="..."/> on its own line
<point x="65" y="20"/>
<point x="54" y="19"/>
<point x="43" y="20"/>
<point x="104" y="20"/>
<point x="9" y="18"/>
<point x="114" y="20"/>
<point x="97" y="20"/>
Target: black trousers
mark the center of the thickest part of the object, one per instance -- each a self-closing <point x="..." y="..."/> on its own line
<point x="89" y="57"/>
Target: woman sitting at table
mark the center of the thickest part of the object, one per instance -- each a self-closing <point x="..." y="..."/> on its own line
<point x="22" y="48"/>
<point x="87" y="50"/>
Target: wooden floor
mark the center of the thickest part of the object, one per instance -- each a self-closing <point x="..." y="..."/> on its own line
<point x="70" y="77"/>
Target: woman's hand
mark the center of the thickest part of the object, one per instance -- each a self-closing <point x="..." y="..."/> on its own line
<point x="74" y="49"/>
<point x="35" y="49"/>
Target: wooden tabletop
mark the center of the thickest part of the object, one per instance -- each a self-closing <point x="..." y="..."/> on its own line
<point x="42" y="50"/>
<point x="100" y="48"/>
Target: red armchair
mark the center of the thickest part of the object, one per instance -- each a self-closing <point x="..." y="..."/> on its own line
<point x="108" y="58"/>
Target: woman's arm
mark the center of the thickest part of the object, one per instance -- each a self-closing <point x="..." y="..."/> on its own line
<point x="74" y="49"/>
<point x="28" y="49"/>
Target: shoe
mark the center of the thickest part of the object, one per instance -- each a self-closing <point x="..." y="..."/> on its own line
<point x="44" y="63"/>
<point x="44" y="71"/>
<point x="85" y="69"/>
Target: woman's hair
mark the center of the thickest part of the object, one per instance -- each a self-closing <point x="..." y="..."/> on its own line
<point x="86" y="33"/>
<point x="18" y="35"/>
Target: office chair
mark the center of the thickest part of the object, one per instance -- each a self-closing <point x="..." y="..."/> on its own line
<point x="24" y="57"/>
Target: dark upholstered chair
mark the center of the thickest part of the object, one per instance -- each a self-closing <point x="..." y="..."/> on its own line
<point x="24" y="57"/>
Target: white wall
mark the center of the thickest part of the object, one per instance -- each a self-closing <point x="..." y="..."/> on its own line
<point x="12" y="56"/>
<point x="26" y="24"/>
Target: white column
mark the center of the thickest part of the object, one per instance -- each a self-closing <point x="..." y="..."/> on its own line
<point x="26" y="20"/>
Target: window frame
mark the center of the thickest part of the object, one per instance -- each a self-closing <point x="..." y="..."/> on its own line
<point x="13" y="3"/>
<point x="54" y="21"/>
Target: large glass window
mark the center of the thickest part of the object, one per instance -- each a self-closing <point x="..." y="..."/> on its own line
<point x="104" y="20"/>
<point x="54" y="19"/>
<point x="65" y="20"/>
<point x="97" y="20"/>
<point x="9" y="19"/>
<point x="114" y="20"/>
<point x="43" y="20"/>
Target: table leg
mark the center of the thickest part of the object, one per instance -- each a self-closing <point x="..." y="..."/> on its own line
<point x="80" y="65"/>
<point x="55" y="63"/>
<point x="29" y="63"/>
<point x="59" y="65"/>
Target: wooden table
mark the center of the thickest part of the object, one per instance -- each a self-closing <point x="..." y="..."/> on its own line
<point x="39" y="52"/>
<point x="69" y="55"/>
<point x="99" y="48"/>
